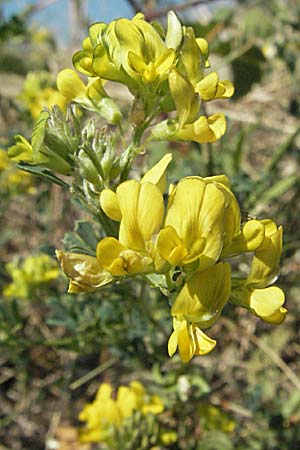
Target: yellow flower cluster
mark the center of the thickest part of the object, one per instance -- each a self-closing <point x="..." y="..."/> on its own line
<point x="187" y="245"/>
<point x="165" y="71"/>
<point x="34" y="271"/>
<point x="37" y="93"/>
<point x="105" y="412"/>
<point x="13" y="180"/>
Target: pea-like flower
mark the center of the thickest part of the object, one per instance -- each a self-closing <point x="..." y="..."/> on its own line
<point x="255" y="293"/>
<point x="139" y="207"/>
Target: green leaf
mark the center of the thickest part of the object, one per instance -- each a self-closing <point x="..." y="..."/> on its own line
<point x="38" y="134"/>
<point x="42" y="172"/>
<point x="87" y="233"/>
<point x="279" y="188"/>
<point x="82" y="240"/>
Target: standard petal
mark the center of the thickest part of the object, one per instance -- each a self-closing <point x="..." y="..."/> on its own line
<point x="186" y="102"/>
<point x="142" y="209"/>
<point x="157" y="174"/>
<point x="128" y="198"/>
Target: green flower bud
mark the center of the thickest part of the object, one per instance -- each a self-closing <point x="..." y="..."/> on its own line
<point x="165" y="129"/>
<point x="109" y="110"/>
<point x="87" y="168"/>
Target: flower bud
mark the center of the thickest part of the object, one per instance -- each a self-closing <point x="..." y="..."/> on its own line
<point x="87" y="168"/>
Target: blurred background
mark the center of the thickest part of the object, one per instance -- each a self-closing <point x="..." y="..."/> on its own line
<point x="56" y="348"/>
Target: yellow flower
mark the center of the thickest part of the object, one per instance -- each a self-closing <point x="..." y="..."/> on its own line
<point x="92" y="96"/>
<point x="189" y="339"/>
<point x="199" y="305"/>
<point x="105" y="413"/>
<point x="210" y="88"/>
<point x="255" y="293"/>
<point x="127" y="51"/>
<point x="12" y="180"/>
<point x="33" y="272"/>
<point x="188" y="126"/>
<point x="21" y="151"/>
<point x="38" y="93"/>
<point x="139" y="207"/>
<point x="201" y="214"/>
<point x="99" y="416"/>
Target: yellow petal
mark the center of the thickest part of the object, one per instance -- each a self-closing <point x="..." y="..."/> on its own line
<point x="264" y="268"/>
<point x="249" y="239"/>
<point x="204" y="344"/>
<point x="164" y="62"/>
<point x="142" y="209"/>
<point x="220" y="179"/>
<point x="190" y="57"/>
<point x="277" y="317"/>
<point x="266" y="303"/>
<point x="108" y="255"/>
<point x="137" y="63"/>
<point x="174" y="31"/>
<point x="172" y="344"/>
<point x="110" y="205"/>
<point x="82" y="61"/>
<point x="70" y="85"/>
<point x="225" y="89"/>
<point x="203" y="297"/>
<point x="203" y="45"/>
<point x="85" y="272"/>
<point x="215" y="123"/>
<point x="21" y="151"/>
<point x="204" y="129"/>
<point x="157" y="174"/>
<point x="170" y="246"/>
<point x="94" y="90"/>
<point x="186" y="102"/>
<point x="207" y="87"/>
<point x="186" y="344"/>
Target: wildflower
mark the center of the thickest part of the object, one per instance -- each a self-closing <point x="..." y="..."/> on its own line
<point x="13" y="180"/>
<point x="199" y="305"/>
<point x="21" y="151"/>
<point x="106" y="413"/>
<point x="128" y="51"/>
<point x="32" y="272"/>
<point x="133" y="205"/>
<point x="188" y="126"/>
<point x="135" y="250"/>
<point x="201" y="213"/>
<point x="38" y="93"/>
<point x="92" y="96"/>
<point x="255" y="293"/>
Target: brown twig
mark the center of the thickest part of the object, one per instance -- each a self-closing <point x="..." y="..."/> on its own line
<point x="135" y="5"/>
<point x="163" y="11"/>
<point x="42" y="5"/>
